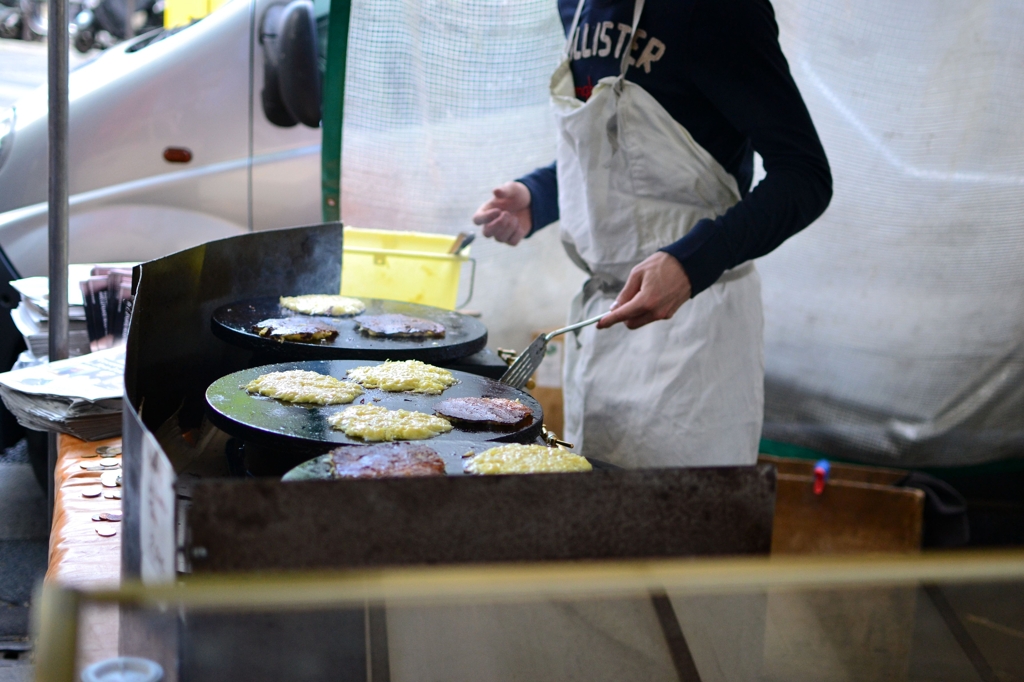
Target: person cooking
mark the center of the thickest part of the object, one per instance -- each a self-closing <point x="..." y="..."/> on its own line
<point x="660" y="106"/>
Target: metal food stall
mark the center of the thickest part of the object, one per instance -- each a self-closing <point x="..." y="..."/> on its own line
<point x="203" y="460"/>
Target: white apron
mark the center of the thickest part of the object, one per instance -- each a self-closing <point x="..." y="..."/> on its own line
<point x="688" y="391"/>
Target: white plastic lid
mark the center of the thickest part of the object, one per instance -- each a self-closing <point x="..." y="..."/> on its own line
<point x="123" y="669"/>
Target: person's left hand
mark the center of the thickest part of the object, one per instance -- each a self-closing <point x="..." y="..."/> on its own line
<point x="655" y="290"/>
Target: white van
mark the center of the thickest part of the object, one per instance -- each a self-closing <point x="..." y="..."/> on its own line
<point x="170" y="144"/>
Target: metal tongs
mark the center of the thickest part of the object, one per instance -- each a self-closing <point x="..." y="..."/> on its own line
<point x="529" y="360"/>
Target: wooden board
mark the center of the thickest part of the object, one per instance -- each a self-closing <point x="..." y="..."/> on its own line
<point x="837" y="470"/>
<point x="550" y="400"/>
<point x="848" y="517"/>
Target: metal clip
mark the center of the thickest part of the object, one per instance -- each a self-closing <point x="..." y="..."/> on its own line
<point x="509" y="356"/>
<point x="552" y="439"/>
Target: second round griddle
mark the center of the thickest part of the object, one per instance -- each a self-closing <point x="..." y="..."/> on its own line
<point x="464" y="335"/>
<point x="451" y="453"/>
<point x="273" y="422"/>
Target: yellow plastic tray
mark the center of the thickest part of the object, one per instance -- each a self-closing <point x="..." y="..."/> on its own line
<point x="403" y="266"/>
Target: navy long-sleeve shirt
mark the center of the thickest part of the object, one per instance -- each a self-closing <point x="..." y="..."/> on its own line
<point x="717" y="68"/>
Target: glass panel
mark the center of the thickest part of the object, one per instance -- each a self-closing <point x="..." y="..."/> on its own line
<point x="593" y="623"/>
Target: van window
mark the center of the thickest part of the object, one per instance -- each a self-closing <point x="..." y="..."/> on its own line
<point x="155" y="36"/>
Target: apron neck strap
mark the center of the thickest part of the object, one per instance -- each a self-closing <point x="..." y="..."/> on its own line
<point x="570" y="42"/>
<point x="638" y="8"/>
<point x="572" y="30"/>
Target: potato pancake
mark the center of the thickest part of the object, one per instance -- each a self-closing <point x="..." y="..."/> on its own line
<point x="323" y="304"/>
<point x="407" y="375"/>
<point x="386" y="460"/>
<point x="398" y="326"/>
<point x="483" y="411"/>
<point x="376" y="423"/>
<point x="525" y="459"/>
<point x="297" y="329"/>
<point x="300" y="386"/>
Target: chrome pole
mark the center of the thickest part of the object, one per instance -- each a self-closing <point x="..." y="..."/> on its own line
<point x="57" y="81"/>
<point x="57" y="37"/>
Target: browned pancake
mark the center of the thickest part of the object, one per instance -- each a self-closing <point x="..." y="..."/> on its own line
<point x="385" y="461"/>
<point x="297" y="328"/>
<point x="483" y="411"/>
<point x="395" y="325"/>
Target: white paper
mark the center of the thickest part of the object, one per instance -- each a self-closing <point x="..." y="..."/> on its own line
<point x="26" y="322"/>
<point x="93" y="377"/>
<point x="157" y="514"/>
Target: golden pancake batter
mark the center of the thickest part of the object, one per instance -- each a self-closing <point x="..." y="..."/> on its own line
<point x="525" y="459"/>
<point x="408" y="375"/>
<point x="323" y="304"/>
<point x="300" y="386"/>
<point x="376" y="423"/>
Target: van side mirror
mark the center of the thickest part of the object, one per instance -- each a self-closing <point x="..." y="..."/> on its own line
<point x="291" y="79"/>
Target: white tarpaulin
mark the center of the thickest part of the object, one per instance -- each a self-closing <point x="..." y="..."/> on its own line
<point x="895" y="324"/>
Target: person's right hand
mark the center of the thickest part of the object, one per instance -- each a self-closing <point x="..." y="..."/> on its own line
<point x="506" y="217"/>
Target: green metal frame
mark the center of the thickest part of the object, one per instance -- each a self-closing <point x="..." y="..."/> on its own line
<point x="1003" y="466"/>
<point x="333" y="109"/>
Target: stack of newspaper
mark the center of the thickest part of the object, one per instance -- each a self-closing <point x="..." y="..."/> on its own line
<point x="80" y="396"/>
<point x="31" y="317"/>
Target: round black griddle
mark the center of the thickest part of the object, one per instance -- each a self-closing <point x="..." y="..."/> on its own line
<point x="452" y="452"/>
<point x="275" y="424"/>
<point x="464" y="335"/>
